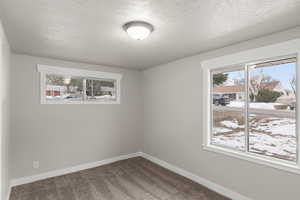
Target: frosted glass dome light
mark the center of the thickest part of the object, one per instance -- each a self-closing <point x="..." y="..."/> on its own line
<point x="138" y="30"/>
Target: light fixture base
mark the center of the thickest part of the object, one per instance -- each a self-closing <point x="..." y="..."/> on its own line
<point x="138" y="30"/>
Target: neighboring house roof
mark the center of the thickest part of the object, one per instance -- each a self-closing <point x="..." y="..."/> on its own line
<point x="229" y="89"/>
<point x="241" y="88"/>
<point x="107" y="89"/>
<point x="56" y="87"/>
<point x="60" y="88"/>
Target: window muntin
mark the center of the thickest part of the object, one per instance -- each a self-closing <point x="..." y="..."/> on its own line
<point x="269" y="126"/>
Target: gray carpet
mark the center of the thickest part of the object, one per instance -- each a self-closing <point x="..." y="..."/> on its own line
<point x="131" y="179"/>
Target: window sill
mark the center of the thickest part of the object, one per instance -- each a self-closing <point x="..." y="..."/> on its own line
<point x="80" y="102"/>
<point x="282" y="165"/>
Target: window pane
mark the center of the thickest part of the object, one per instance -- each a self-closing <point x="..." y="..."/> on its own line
<point x="228" y="117"/>
<point x="273" y="135"/>
<point x="64" y="88"/>
<point x="100" y="89"/>
<point x="228" y="129"/>
<point x="272" y="104"/>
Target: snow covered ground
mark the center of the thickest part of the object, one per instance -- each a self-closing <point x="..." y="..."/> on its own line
<point x="240" y="104"/>
<point x="270" y="136"/>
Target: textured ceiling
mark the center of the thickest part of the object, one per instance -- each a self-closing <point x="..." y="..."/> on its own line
<point x="91" y="30"/>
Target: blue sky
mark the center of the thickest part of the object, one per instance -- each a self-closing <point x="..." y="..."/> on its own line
<point x="283" y="73"/>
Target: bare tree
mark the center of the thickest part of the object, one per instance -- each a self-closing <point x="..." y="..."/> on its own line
<point x="293" y="84"/>
<point x="75" y="83"/>
<point x="257" y="83"/>
<point x="54" y="79"/>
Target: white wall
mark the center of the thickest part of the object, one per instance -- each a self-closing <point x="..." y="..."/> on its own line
<point x="4" y="110"/>
<point x="173" y="128"/>
<point x="60" y="136"/>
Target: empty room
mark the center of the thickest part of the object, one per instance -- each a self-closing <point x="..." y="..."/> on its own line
<point x="150" y="99"/>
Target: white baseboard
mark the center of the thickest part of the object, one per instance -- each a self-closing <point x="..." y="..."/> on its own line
<point x="8" y="192"/>
<point x="213" y="186"/>
<point x="60" y="172"/>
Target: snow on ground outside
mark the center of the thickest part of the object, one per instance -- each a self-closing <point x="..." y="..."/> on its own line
<point x="269" y="145"/>
<point x="269" y="136"/>
<point x="235" y="140"/>
<point x="240" y="104"/>
<point x="231" y="124"/>
<point x="221" y="130"/>
<point x="276" y="126"/>
<point x="63" y="97"/>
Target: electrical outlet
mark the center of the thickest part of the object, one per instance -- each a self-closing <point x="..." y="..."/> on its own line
<point x="36" y="164"/>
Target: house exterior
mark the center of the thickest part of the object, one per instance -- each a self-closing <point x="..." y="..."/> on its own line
<point x="55" y="90"/>
<point x="237" y="92"/>
<point x="59" y="90"/>
<point x="234" y="92"/>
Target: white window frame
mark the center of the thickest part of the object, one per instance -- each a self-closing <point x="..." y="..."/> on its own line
<point x="267" y="53"/>
<point x="47" y="69"/>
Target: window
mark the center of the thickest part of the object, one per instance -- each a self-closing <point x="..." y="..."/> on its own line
<point x="271" y="109"/>
<point x="73" y="86"/>
<point x="250" y="109"/>
<point x="60" y="88"/>
<point x="263" y="121"/>
<point x="100" y="89"/>
<point x="228" y="123"/>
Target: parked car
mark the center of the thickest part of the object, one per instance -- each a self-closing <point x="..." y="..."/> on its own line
<point x="292" y="105"/>
<point x="73" y="96"/>
<point x="220" y="100"/>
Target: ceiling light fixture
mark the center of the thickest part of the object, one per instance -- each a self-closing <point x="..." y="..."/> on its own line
<point x="138" y="30"/>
